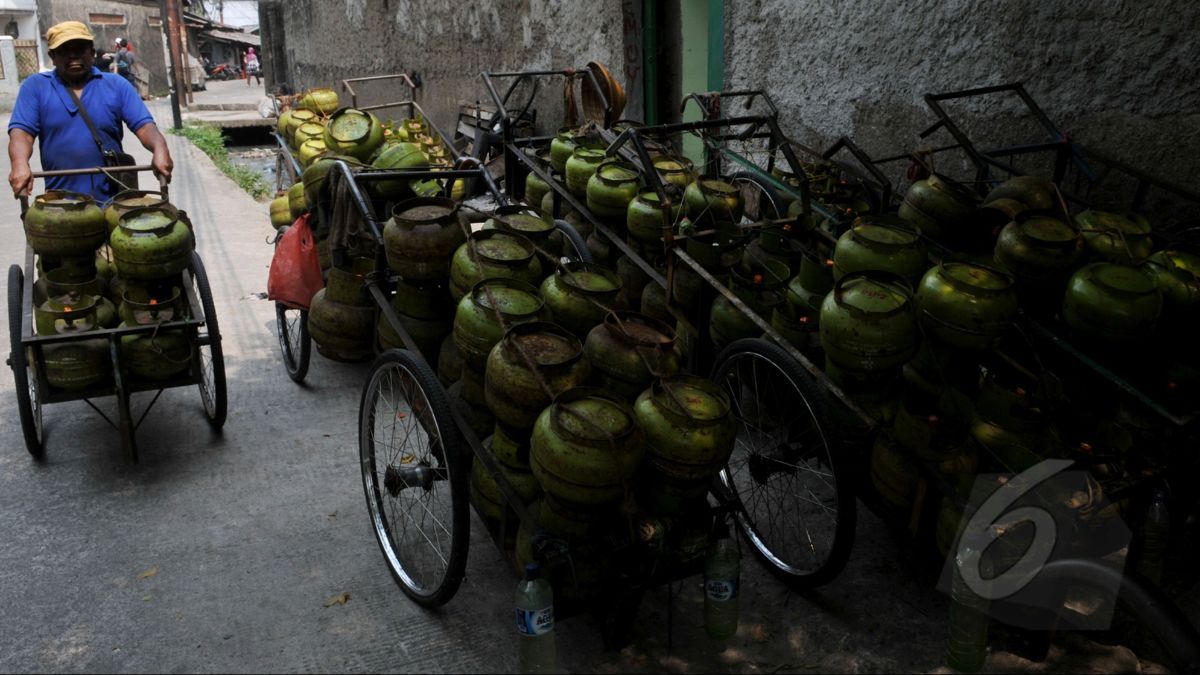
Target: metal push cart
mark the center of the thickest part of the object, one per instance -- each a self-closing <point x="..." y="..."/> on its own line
<point x="292" y="323"/>
<point x="206" y="369"/>
<point x="789" y="485"/>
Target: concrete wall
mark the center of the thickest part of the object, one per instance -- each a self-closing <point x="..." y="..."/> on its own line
<point x="9" y="82"/>
<point x="448" y="43"/>
<point x="1121" y="76"/>
<point x="1116" y="75"/>
<point x="146" y="39"/>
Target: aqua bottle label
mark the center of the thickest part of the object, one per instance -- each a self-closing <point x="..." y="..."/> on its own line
<point x="721" y="590"/>
<point x="534" y="622"/>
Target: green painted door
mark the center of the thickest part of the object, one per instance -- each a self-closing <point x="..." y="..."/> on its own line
<point x="702" y="39"/>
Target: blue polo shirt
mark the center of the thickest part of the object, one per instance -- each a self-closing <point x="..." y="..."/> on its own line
<point x="46" y="110"/>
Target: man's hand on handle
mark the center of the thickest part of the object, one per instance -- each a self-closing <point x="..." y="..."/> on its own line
<point x="153" y="141"/>
<point x="20" y="149"/>
<point x="21" y="180"/>
<point x="162" y="163"/>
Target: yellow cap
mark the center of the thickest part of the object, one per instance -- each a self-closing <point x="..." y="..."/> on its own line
<point x="62" y="33"/>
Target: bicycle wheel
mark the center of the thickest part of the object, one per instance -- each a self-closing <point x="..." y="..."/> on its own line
<point x="574" y="246"/>
<point x="208" y="350"/>
<point x="294" y="344"/>
<point x="759" y="198"/>
<point x="792" y="501"/>
<point x="414" y="477"/>
<point x="29" y="405"/>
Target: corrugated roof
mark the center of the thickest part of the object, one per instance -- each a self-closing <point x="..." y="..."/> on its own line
<point x="233" y="36"/>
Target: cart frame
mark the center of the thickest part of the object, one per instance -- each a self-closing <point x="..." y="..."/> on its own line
<point x="26" y="357"/>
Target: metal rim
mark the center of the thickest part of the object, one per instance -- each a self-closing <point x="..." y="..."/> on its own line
<point x="25" y="377"/>
<point x="211" y="380"/>
<point x="758" y="199"/>
<point x="294" y="345"/>
<point x="791" y="505"/>
<point x="414" y="477"/>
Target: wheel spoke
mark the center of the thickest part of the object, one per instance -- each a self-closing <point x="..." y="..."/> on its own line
<point x="780" y="472"/>
<point x="416" y="519"/>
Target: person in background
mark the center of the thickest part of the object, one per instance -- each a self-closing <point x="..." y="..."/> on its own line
<point x="104" y="60"/>
<point x="125" y="60"/>
<point x="253" y="67"/>
<point x="46" y="110"/>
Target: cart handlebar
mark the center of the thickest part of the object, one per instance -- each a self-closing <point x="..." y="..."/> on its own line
<point x="106" y="170"/>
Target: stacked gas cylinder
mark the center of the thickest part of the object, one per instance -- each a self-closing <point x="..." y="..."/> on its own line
<point x="914" y="344"/>
<point x="319" y="131"/>
<point x="342" y="319"/>
<point x="109" y="268"/>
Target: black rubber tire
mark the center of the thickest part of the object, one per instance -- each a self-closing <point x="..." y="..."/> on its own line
<point x="25" y="381"/>
<point x="212" y="394"/>
<point x="295" y="358"/>
<point x="582" y="252"/>
<point x="411" y="385"/>
<point x="743" y="180"/>
<point x="792" y="391"/>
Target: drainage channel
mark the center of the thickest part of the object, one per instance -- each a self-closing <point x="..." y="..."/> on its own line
<point x="252" y="147"/>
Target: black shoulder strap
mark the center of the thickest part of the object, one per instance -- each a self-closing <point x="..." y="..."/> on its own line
<point x="86" y="118"/>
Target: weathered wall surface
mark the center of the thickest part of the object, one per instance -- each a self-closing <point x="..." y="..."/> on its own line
<point x="448" y="43"/>
<point x="1118" y="75"/>
<point x="145" y="38"/>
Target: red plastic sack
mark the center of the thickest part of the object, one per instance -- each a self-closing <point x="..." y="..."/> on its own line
<point x="295" y="275"/>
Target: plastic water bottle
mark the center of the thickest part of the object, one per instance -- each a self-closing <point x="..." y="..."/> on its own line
<point x="535" y="623"/>
<point x="722" y="569"/>
<point x="967" y="628"/>
<point x="1156" y="529"/>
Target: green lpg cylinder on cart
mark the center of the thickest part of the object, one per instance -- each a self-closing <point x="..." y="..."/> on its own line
<point x="477" y="320"/>
<point x="579" y="295"/>
<point x="531" y="364"/>
<point x="561" y="148"/>
<point x="1115" y="238"/>
<point x="535" y="187"/>
<point x="610" y="190"/>
<point x="151" y="243"/>
<point x="341" y="318"/>
<point x="425" y="310"/>
<point x="629" y="350"/>
<point x="894" y="474"/>
<point x="486" y="494"/>
<point x="61" y="224"/>
<point x="80" y="363"/>
<point x="590" y="573"/>
<point x="304" y="133"/>
<point x="711" y="202"/>
<point x="128" y="200"/>
<point x="160" y="354"/>
<point x="586" y="447"/>
<point x="295" y="119"/>
<point x="675" y="170"/>
<point x="647" y="219"/>
<point x="316" y="175"/>
<point x="353" y="132"/>
<point x="881" y="243"/>
<point x="524" y="221"/>
<point x="868" y="323"/>
<point x="938" y="207"/>
<point x="690" y="433"/>
<point x="62" y="284"/>
<point x="761" y="293"/>
<point x="1111" y="303"/>
<point x="398" y="157"/>
<point x="493" y="254"/>
<point x="583" y="163"/>
<point x="966" y="305"/>
<point x="421" y="237"/>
